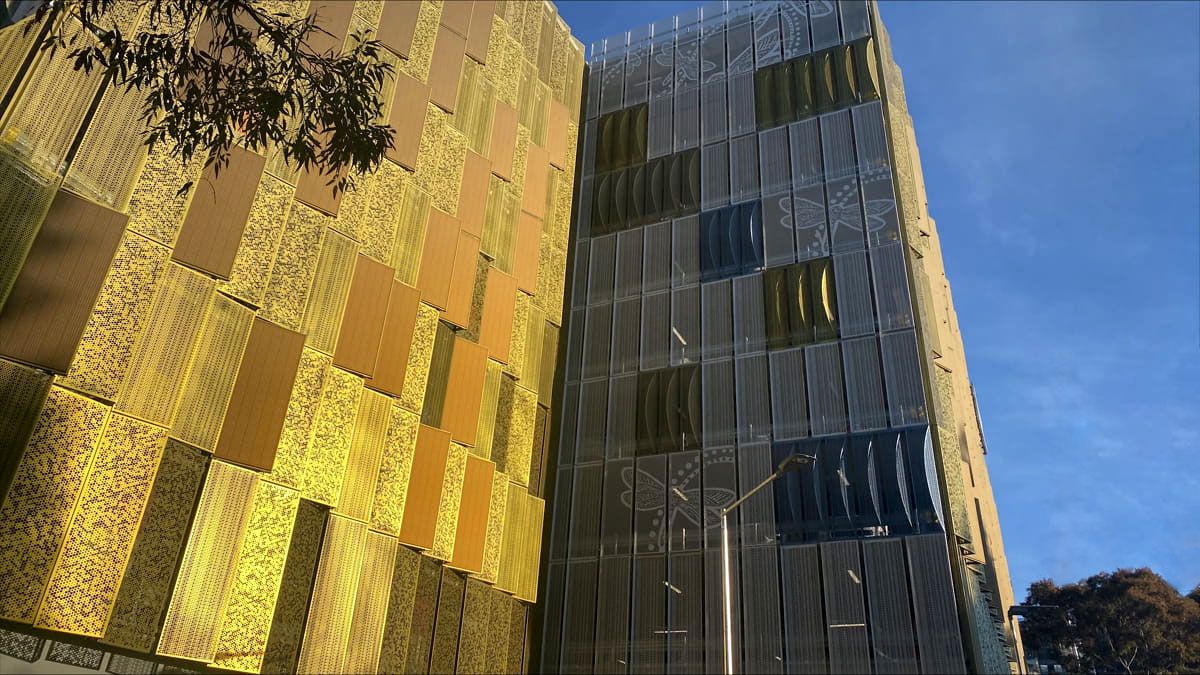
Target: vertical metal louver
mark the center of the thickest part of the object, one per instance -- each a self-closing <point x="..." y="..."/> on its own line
<point x="888" y="606"/>
<point x="597" y="341"/>
<point x="637" y="73"/>
<point x="590" y="130"/>
<point x="742" y="114"/>
<point x="804" y="621"/>
<point x="627" y="331"/>
<point x="757" y="514"/>
<point x="902" y="375"/>
<point x="845" y="613"/>
<point x="650" y="486"/>
<point x="714" y="123"/>
<point x="855" y="312"/>
<point x="716" y="320"/>
<point x="593" y="411"/>
<point x="763" y="625"/>
<point x="585" y="511"/>
<point x="743" y="169"/>
<point x="656" y="262"/>
<point x="939" y="641"/>
<point x="612" y="86"/>
<point x="684" y="499"/>
<point x="648" y="637"/>
<point x="891" y="287"/>
<point x="552" y="636"/>
<point x="809" y="209"/>
<point x="616" y="528"/>
<point x="629" y="263"/>
<point x="753" y="400"/>
<point x="601" y="268"/>
<point x="864" y="384"/>
<point x="841" y="183"/>
<point x="714" y="175"/>
<point x="779" y="237"/>
<point x="656" y="330"/>
<point x="775" y="161"/>
<point x="612" y="615"/>
<point x="660" y="128"/>
<point x="719" y="413"/>
<point x="789" y="403"/>
<point x="579" y="617"/>
<point x="685" y="613"/>
<point x="621" y="438"/>
<point x="749" y="329"/>
<point x="823" y="374"/>
<point x="685" y="325"/>
<point x="685" y="254"/>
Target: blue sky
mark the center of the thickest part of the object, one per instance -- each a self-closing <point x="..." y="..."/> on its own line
<point x="1061" y="149"/>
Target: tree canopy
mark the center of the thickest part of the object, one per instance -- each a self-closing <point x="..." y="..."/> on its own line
<point x="1128" y="621"/>
<point x="219" y="72"/>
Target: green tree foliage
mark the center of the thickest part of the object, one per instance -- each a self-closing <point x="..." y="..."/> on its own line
<point x="1128" y="621"/>
<point x="219" y="72"/>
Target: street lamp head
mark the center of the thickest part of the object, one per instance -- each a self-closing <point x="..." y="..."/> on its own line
<point x="794" y="461"/>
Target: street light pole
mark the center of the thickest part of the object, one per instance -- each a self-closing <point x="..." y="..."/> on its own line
<point x="790" y="463"/>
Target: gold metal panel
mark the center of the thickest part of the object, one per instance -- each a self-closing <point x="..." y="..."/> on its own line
<point x="331" y="285"/>
<point x="448" y="622"/>
<point x="193" y="619"/>
<point x="531" y="372"/>
<point x="40" y="499"/>
<point x="295" y="589"/>
<point x="499" y="70"/>
<point x="473" y="640"/>
<point x="260" y="240"/>
<point x="475" y="107"/>
<point x="377" y="233"/>
<point x="493" y="542"/>
<point x="516" y="417"/>
<point x="109" y="157"/>
<point x="500" y="224"/>
<point x="22" y="392"/>
<point x="83" y="586"/>
<point x="247" y="620"/>
<point x="298" y="421"/>
<point x="440" y="159"/>
<point x="397" y="629"/>
<point x="329" y="447"/>
<point x="519" y="339"/>
<point x="471" y="531"/>
<point x="487" y="410"/>
<point x="14" y="47"/>
<point x="327" y="633"/>
<point x="146" y="585"/>
<point x="411" y="222"/>
<point x="295" y="265"/>
<point x="395" y="468"/>
<point x="118" y="317"/>
<point x="371" y="604"/>
<point x="419" y="357"/>
<point x="420" y="53"/>
<point x="25" y="196"/>
<point x="164" y="348"/>
<point x="511" y="543"/>
<point x="366" y="454"/>
<point x="212" y="373"/>
<point x="451" y="501"/>
<point x="156" y="208"/>
<point x="498" y="630"/>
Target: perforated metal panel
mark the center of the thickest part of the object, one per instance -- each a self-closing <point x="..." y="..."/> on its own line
<point x="367" y="448"/>
<point x="111" y="152"/>
<point x="371" y="604"/>
<point x="162" y="354"/>
<point x="95" y="548"/>
<point x="327" y="630"/>
<point x="331" y="285"/>
<point x="450" y="503"/>
<point x="191" y="627"/>
<point x="249" y="613"/>
<point x="295" y="266"/>
<point x="213" y="370"/>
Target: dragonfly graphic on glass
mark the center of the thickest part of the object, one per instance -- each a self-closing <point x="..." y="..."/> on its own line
<point x="697" y="507"/>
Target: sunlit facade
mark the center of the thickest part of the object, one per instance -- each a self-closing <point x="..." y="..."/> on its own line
<point x="258" y="427"/>
<point x="756" y="275"/>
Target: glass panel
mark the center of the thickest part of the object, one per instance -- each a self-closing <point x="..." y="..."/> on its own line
<point x="637" y="74"/>
<point x="601" y="270"/>
<point x="774" y="161"/>
<point x="803" y="613"/>
<point x="685" y="612"/>
<point x="593" y="406"/>
<point x="849" y="651"/>
<point x="597" y="341"/>
<point x="712" y="51"/>
<point x="685" y="502"/>
<point x="767" y="38"/>
<point x="687" y="118"/>
<point x="720" y="490"/>
<point x="749" y="328"/>
<point x="622" y="416"/>
<point x="714" y="182"/>
<point x="902" y="373"/>
<point x="855" y="21"/>
<point x="662" y="66"/>
<point x="824" y="22"/>
<point x="739" y="38"/>
<point x="888" y="604"/>
<point x="714" y="112"/>
<point x="660" y="131"/>
<point x="743" y="165"/>
<point x="579" y="617"/>
<point x="793" y="19"/>
<point x="649" y="643"/>
<point x="763" y="629"/>
<point x="685" y="325"/>
<point x="656" y="266"/>
<point x="891" y="287"/>
<point x="650" y="502"/>
<point x="685" y="260"/>
<point x="753" y="400"/>
<point x="742" y="118"/>
<point x="626" y="344"/>
<point x="778" y="234"/>
<point x="612" y="84"/>
<point x="612" y="616"/>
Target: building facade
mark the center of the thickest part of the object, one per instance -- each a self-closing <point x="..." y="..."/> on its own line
<point x="755" y="275"/>
<point x="258" y="427"/>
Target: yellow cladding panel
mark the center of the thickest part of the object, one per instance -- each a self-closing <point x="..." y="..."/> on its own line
<point x="25" y="196"/>
<point x="382" y="196"/>
<point x="156" y="208"/>
<point x="475" y="107"/>
<point x="473" y="640"/>
<point x="329" y="616"/>
<point x="111" y="153"/>
<point x="497" y="68"/>
<point x="14" y="46"/>
<point x="214" y="368"/>
<point x="329" y="447"/>
<point x="521" y="551"/>
<point x="260" y="240"/>
<point x="518" y="341"/>
<point x="419" y="357"/>
<point x="533" y="548"/>
<point x="120" y="314"/>
<point x="242" y="641"/>
<point x="22" y="392"/>
<point x="366" y="453"/>
<point x="516" y="418"/>
<point x="40" y="499"/>
<point x="497" y="511"/>
<point x="420" y="54"/>
<point x="327" y="299"/>
<point x="298" y="421"/>
<point x="398" y="628"/>
<point x="206" y="573"/>
<point x="531" y="372"/>
<point x="510" y="547"/>
<point x="487" y="410"/>
<point x="498" y="629"/>
<point x="441" y="155"/>
<point x="395" y="468"/>
<point x="371" y="604"/>
<point x="47" y="113"/>
<point x="295" y="265"/>
<point x="520" y="160"/>
<point x="83" y="587"/>
<point x="411" y="221"/>
<point x="500" y="224"/>
<point x="451" y="500"/>
<point x="165" y="347"/>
